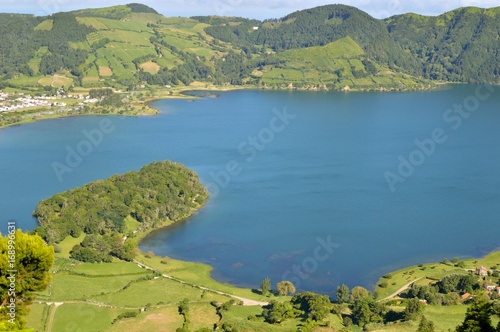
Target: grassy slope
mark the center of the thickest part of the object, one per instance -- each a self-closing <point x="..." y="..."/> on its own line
<point x="431" y="272"/>
<point x="106" y="290"/>
<point x="129" y="36"/>
<point x="317" y="65"/>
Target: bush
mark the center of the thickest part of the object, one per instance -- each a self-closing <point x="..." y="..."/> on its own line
<point x="127" y="314"/>
<point x="383" y="284"/>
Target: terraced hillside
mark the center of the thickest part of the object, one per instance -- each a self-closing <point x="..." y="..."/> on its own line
<point x="132" y="46"/>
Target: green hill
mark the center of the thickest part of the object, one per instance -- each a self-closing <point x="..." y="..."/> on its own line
<point x="327" y="47"/>
<point x="461" y="45"/>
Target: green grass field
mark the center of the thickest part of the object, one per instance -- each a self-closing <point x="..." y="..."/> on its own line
<point x="45" y="25"/>
<point x="155" y="319"/>
<point x="56" y="81"/>
<point x="92" y="22"/>
<point x="128" y="37"/>
<point x="432" y="272"/>
<point x="198" y="274"/>
<point x="38" y="316"/>
<point x="84" y="317"/>
<point x="106" y="290"/>
<point x="126" y="24"/>
<point x="95" y="294"/>
<point x="125" y="52"/>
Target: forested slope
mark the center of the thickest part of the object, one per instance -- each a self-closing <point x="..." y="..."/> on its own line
<point x="132" y="46"/>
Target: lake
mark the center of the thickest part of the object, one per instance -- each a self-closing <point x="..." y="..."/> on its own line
<point x="319" y="188"/>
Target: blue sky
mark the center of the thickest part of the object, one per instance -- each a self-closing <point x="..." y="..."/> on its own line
<point x="259" y="9"/>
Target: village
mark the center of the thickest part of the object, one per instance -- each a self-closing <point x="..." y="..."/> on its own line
<point x="11" y="102"/>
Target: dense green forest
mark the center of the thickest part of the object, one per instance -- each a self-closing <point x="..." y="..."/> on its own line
<point x="460" y="46"/>
<point x="108" y="211"/>
<point x="132" y="45"/>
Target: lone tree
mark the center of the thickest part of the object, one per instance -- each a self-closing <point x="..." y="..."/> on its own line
<point x="265" y="286"/>
<point x="25" y="261"/>
<point x="425" y="325"/>
<point x="413" y="310"/>
<point x="358" y="293"/>
<point x="477" y="318"/>
<point x="343" y="294"/>
<point x="285" y="287"/>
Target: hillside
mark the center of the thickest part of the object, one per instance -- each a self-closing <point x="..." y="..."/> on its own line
<point x="461" y="45"/>
<point x="332" y="47"/>
<point x="127" y="47"/>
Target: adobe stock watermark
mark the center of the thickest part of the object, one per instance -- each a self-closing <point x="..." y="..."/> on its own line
<point x="454" y="117"/>
<point x="12" y="273"/>
<point x="51" y="6"/>
<point x="250" y="148"/>
<point x="392" y="7"/>
<point x="75" y="155"/>
<point x="309" y="265"/>
<point x="222" y="7"/>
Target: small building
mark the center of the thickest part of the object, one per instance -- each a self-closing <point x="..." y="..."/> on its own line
<point x="481" y="271"/>
<point x="256" y="28"/>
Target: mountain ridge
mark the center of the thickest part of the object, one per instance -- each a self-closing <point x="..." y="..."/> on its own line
<point x="132" y="45"/>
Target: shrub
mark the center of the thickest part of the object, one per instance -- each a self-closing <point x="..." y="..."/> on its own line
<point x="127" y="314"/>
<point x="383" y="284"/>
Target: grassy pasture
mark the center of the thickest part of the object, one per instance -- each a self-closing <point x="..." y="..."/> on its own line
<point x="92" y="22"/>
<point x="150" y="67"/>
<point x="105" y="71"/>
<point x="124" y="24"/>
<point x="432" y="272"/>
<point x="45" y="25"/>
<point x="83" y="317"/>
<point x="155" y="319"/>
<point x="125" y="52"/>
<point x="56" y="81"/>
<point x="128" y="37"/>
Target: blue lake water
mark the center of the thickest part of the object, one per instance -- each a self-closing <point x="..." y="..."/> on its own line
<point x="298" y="179"/>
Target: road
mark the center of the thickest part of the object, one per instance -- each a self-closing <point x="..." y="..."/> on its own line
<point x="401" y="290"/>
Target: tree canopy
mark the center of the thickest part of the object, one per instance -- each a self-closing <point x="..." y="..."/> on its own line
<point x="28" y="272"/>
<point x="160" y="193"/>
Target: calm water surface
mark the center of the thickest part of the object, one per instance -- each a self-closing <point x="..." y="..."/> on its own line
<point x="317" y="178"/>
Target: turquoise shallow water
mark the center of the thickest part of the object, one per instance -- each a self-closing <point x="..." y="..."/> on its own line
<point x="298" y="179"/>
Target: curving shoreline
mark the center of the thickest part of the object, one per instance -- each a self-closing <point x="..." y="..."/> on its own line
<point x="186" y="217"/>
<point x="141" y="106"/>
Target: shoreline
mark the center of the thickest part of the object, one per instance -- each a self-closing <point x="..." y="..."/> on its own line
<point x="143" y="235"/>
<point x="180" y="93"/>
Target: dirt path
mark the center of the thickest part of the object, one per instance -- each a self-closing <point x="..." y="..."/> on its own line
<point x="401" y="290"/>
<point x="245" y="301"/>
<point x="52" y="313"/>
<point x="52" y="310"/>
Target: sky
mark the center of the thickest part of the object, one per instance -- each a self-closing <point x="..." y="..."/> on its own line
<point x="259" y="9"/>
